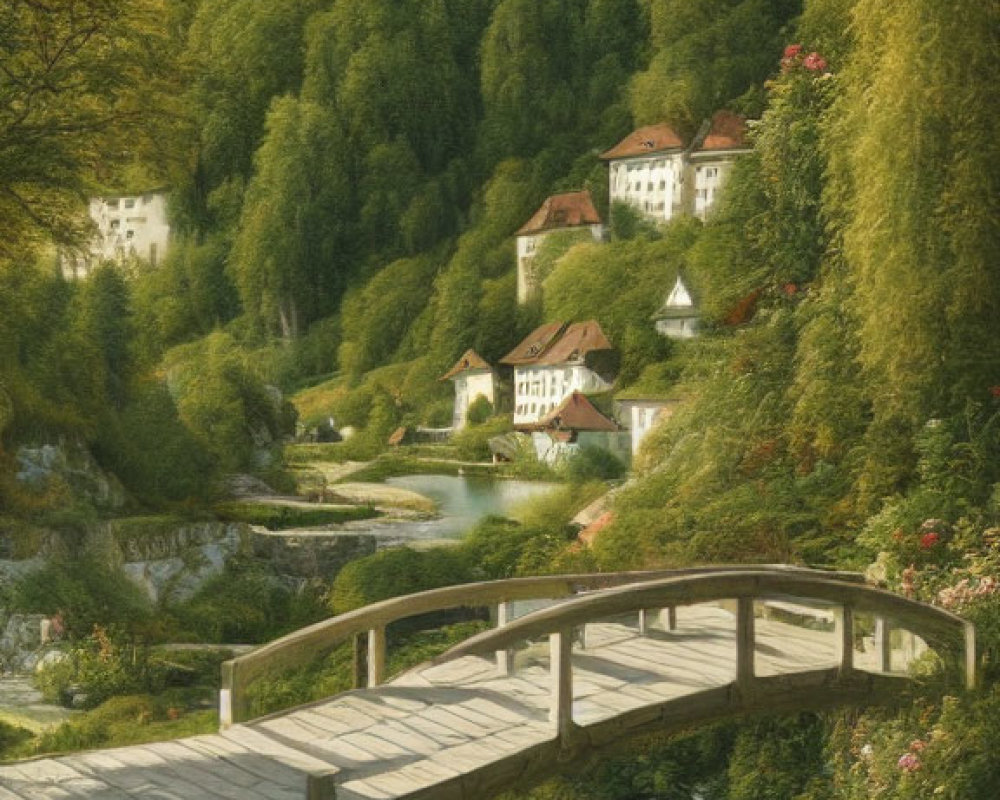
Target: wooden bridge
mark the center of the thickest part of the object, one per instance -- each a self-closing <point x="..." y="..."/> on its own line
<point x="603" y="658"/>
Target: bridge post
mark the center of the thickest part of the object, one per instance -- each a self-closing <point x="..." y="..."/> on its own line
<point x="376" y="656"/>
<point x="561" y="675"/>
<point x="668" y="618"/>
<point x="883" y="644"/>
<point x="358" y="660"/>
<point x="843" y="627"/>
<point x="505" y="658"/>
<point x="643" y="621"/>
<point x="744" y="642"/>
<point x="321" y="785"/>
<point x="970" y="656"/>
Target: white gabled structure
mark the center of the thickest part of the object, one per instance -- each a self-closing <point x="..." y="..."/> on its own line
<point x="128" y="226"/>
<point x="678" y="317"/>
<point x="556" y="360"/>
<point x="568" y="211"/>
<point x="473" y="378"/>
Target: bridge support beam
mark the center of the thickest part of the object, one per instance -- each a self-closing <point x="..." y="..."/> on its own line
<point x="505" y="658"/>
<point x="561" y="672"/>
<point x="744" y="643"/>
<point x="970" y="656"/>
<point x="321" y="786"/>
<point x="883" y="644"/>
<point x="843" y="628"/>
<point x="376" y="656"/>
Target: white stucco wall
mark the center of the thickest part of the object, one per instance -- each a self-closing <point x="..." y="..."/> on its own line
<point x="678" y="328"/>
<point x="538" y="390"/>
<point x="643" y="417"/>
<point x="130" y="225"/>
<point x="709" y="176"/>
<point x="651" y="184"/>
<point x="468" y="386"/>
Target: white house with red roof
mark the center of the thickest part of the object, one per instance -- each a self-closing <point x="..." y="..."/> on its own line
<point x="473" y="378"/>
<point x="568" y="211"/>
<point x="654" y="171"/>
<point x="646" y="171"/>
<point x="555" y="360"/>
<point x="712" y="158"/>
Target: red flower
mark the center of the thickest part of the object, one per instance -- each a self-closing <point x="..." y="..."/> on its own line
<point x="790" y="289"/>
<point x="814" y="62"/>
<point x="793" y="50"/>
<point x="928" y="540"/>
<point x="995" y="391"/>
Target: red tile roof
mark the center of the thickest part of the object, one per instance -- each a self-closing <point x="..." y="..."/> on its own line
<point x="579" y="339"/>
<point x="577" y="413"/>
<point x="558" y="343"/>
<point x="727" y="132"/>
<point x="534" y="344"/>
<point x="567" y="210"/>
<point x="470" y="360"/>
<point x="646" y="140"/>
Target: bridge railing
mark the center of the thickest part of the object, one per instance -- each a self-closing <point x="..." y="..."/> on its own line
<point x="369" y="623"/>
<point x="745" y="587"/>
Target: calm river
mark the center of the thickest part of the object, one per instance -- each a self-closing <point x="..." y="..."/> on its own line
<point x="461" y="501"/>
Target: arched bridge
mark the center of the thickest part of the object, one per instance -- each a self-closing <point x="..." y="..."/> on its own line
<point x="574" y="663"/>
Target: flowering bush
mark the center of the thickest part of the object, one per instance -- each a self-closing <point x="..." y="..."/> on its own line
<point x="793" y="58"/>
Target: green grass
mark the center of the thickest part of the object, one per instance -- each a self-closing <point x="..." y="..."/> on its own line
<point x="120" y="721"/>
<point x="280" y="517"/>
<point x="393" y="464"/>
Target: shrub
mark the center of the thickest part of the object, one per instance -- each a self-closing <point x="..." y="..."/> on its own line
<point x="472" y="443"/>
<point x="479" y="410"/>
<point x="593" y="463"/>
<point x="394" y="572"/>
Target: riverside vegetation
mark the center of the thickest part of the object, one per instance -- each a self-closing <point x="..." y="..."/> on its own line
<point x="345" y="221"/>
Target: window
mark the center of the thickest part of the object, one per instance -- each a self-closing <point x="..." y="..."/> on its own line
<point x="115" y="224"/>
<point x="113" y="203"/>
<point x="712" y="172"/>
<point x="129" y="234"/>
<point x="129" y="202"/>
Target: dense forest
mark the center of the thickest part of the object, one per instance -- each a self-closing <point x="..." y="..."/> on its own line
<point x="345" y="182"/>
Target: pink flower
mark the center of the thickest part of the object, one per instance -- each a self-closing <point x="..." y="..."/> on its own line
<point x="814" y="62"/>
<point x="908" y="762"/>
<point x="928" y="540"/>
<point x="793" y="50"/>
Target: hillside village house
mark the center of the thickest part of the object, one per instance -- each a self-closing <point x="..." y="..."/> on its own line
<point x="652" y="170"/>
<point x="713" y="156"/>
<point x="473" y="377"/>
<point x="646" y="171"/>
<point x="128" y="226"/>
<point x="560" y="212"/>
<point x="556" y="360"/>
<point x="574" y="423"/>
<point x="678" y="317"/>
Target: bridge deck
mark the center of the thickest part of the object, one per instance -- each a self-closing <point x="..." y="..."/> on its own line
<point x="436" y="731"/>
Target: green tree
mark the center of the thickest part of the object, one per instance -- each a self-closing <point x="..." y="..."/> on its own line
<point x="292" y="252"/>
<point x="79" y="78"/>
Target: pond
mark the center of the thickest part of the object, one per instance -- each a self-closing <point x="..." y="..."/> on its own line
<point x="462" y="501"/>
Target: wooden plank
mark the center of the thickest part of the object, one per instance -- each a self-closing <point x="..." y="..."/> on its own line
<point x="259" y="742"/>
<point x="286" y="780"/>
